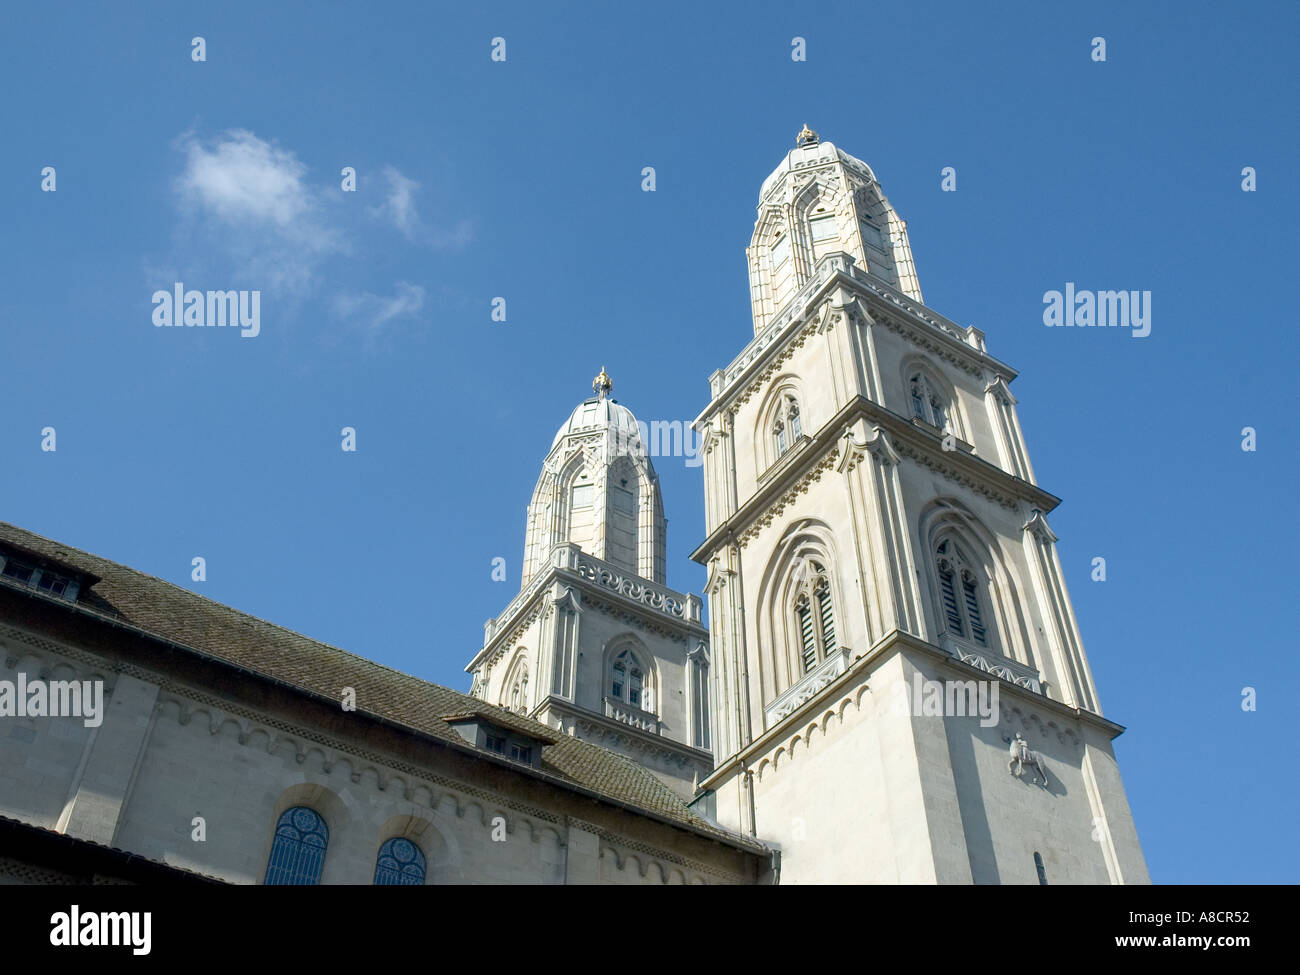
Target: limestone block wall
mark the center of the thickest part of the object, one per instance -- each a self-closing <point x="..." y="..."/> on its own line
<point x="904" y="797"/>
<point x="168" y="752"/>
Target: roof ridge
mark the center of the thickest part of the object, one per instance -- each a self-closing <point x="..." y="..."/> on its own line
<point x="198" y="624"/>
<point x="242" y="614"/>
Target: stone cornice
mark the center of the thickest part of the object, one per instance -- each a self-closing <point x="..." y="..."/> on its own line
<point x="1019" y="699"/>
<point x="806" y="312"/>
<point x="677" y="752"/>
<point x="907" y="440"/>
<point x="630" y="596"/>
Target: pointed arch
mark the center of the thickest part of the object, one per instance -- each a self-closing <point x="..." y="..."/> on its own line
<point x="931" y="397"/>
<point x="781" y="423"/>
<point x="514" y="693"/>
<point x="631" y="673"/>
<point x="974" y="590"/>
<point x="801" y="606"/>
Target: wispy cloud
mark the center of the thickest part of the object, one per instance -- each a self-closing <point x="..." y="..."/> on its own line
<point x="399" y="204"/>
<point x="274" y="222"/>
<point x="373" y="313"/>
<point x="400" y="210"/>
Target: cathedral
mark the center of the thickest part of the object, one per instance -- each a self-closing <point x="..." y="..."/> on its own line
<point x="888" y="686"/>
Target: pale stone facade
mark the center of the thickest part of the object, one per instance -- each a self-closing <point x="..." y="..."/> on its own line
<point x="211" y="714"/>
<point x="594" y="645"/>
<point x="872" y="515"/>
<point x="873" y="526"/>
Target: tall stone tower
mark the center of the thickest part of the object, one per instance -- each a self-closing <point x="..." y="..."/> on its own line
<point x="595" y="645"/>
<point x="880" y="567"/>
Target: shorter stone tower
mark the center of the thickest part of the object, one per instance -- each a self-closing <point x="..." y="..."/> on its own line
<point x="594" y="644"/>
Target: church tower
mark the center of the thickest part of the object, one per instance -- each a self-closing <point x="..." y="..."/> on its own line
<point x="901" y="692"/>
<point x="595" y="645"/>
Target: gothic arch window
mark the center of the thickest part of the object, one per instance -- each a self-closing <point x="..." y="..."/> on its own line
<point x="697" y="665"/>
<point x="787" y="427"/>
<point x="929" y="402"/>
<point x="629" y="680"/>
<point x="779" y="424"/>
<point x="782" y="269"/>
<point x="814" y="615"/>
<point x="298" y="852"/>
<point x="514" y="692"/>
<point x="400" y="864"/>
<point x="963" y="596"/>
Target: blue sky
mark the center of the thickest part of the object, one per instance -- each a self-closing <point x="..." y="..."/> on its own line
<point x="522" y="179"/>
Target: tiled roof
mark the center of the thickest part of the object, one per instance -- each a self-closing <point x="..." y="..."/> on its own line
<point x="181" y="617"/>
<point x="35" y="852"/>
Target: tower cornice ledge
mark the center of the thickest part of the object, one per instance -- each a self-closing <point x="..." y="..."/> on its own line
<point x="655" y="604"/>
<point x="909" y="441"/>
<point x="888" y="305"/>
<point x="660" y="744"/>
<point x="860" y="669"/>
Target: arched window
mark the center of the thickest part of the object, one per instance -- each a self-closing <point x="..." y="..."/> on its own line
<point x="960" y="593"/>
<point x="298" y="852"/>
<point x="781" y="269"/>
<point x="628" y="681"/>
<point x="787" y="427"/>
<point x="814" y="616"/>
<point x="928" y="403"/>
<point x="514" y="691"/>
<point x="400" y="864"/>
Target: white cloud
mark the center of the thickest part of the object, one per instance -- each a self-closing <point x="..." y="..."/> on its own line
<point x="243" y="178"/>
<point x="399" y="205"/>
<point x="374" y="312"/>
<point x="399" y="209"/>
<point x="272" y="220"/>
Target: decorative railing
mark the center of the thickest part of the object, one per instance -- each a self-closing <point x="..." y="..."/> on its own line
<point x="634" y="587"/>
<point x="807" y="687"/>
<point x="995" y="664"/>
<point x="569" y="556"/>
<point x="630" y="715"/>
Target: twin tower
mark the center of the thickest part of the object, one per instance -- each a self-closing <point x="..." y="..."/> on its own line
<point x="879" y="561"/>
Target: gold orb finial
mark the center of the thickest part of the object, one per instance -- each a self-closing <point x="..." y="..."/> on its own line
<point x="602" y="384"/>
<point x="806" y="137"/>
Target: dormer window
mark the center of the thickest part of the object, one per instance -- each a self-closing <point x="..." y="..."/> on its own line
<point x="518" y="746"/>
<point x="36" y="576"/>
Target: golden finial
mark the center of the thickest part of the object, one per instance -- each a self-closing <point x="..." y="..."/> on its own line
<point x="806" y="137"/>
<point x="602" y="384"/>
